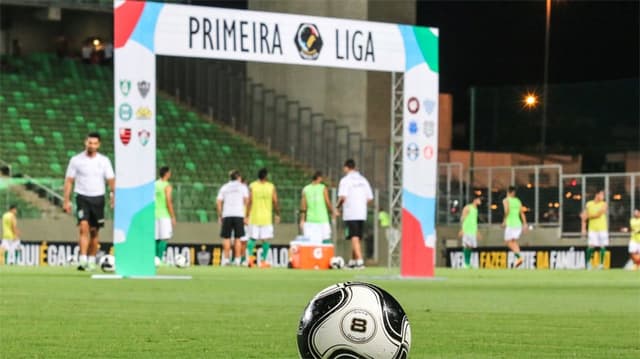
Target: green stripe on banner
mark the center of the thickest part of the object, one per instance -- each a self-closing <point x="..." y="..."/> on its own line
<point x="428" y="43"/>
<point x="136" y="254"/>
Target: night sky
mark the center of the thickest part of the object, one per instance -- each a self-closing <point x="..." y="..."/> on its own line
<point x="502" y="43"/>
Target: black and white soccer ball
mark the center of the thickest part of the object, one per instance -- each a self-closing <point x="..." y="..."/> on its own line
<point x="336" y="263"/>
<point x="181" y="261"/>
<point x="354" y="320"/>
<point x="107" y="263"/>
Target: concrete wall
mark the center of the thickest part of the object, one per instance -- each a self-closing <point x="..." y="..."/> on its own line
<point x="36" y="34"/>
<point x="64" y="229"/>
<point x="358" y="99"/>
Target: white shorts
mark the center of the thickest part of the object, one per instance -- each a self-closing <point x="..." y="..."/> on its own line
<point x="246" y="234"/>
<point x="598" y="239"/>
<point x="512" y="233"/>
<point x="261" y="232"/>
<point x="10" y="245"/>
<point x="164" y="229"/>
<point x="634" y="247"/>
<point x="317" y="232"/>
<point x="470" y="240"/>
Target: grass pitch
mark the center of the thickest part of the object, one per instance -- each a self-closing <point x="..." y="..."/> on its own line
<point x="249" y="313"/>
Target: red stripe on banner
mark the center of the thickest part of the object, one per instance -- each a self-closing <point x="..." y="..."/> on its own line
<point x="125" y="19"/>
<point x="417" y="260"/>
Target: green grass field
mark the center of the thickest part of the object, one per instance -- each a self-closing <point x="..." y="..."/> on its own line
<point x="244" y="313"/>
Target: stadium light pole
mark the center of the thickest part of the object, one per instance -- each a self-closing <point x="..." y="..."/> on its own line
<point x="545" y="84"/>
<point x="472" y="139"/>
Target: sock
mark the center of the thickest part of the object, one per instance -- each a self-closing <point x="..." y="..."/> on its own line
<point x="517" y="255"/>
<point x="359" y="262"/>
<point x="589" y="254"/>
<point x="158" y="249"/>
<point x="265" y="250"/>
<point x="92" y="261"/>
<point x="82" y="259"/>
<point x="163" y="248"/>
<point x="603" y="252"/>
<point x="236" y="261"/>
<point x="251" y="246"/>
<point x="467" y="256"/>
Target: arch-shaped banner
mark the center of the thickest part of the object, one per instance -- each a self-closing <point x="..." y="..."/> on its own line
<point x="144" y="30"/>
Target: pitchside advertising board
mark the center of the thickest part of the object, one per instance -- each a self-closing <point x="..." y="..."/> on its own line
<point x="34" y="254"/>
<point x="144" y="30"/>
<point x="538" y="258"/>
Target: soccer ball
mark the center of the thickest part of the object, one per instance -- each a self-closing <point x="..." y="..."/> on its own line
<point x="354" y="320"/>
<point x="181" y="261"/>
<point x="108" y="263"/>
<point x="337" y="263"/>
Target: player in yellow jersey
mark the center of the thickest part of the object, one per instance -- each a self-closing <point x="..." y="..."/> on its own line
<point x="594" y="217"/>
<point x="11" y="235"/>
<point x="634" y="241"/>
<point x="263" y="202"/>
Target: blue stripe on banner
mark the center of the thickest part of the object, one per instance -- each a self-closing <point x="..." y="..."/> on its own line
<point x="413" y="55"/>
<point x="130" y="201"/>
<point x="145" y="31"/>
<point x="423" y="209"/>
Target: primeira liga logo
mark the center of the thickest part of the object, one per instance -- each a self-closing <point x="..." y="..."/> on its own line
<point x="308" y="41"/>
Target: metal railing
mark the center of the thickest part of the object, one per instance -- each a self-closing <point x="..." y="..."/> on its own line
<point x="622" y="193"/>
<point x="222" y="90"/>
<point x="450" y="193"/>
<point x="550" y="198"/>
<point x="538" y="187"/>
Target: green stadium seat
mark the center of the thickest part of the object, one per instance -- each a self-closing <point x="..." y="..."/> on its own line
<point x="12" y="111"/>
<point x="202" y="216"/>
<point x="23" y="159"/>
<point x="50" y="113"/>
<point x="57" y="137"/>
<point x="61" y="100"/>
<point x="55" y="168"/>
<point x="20" y="146"/>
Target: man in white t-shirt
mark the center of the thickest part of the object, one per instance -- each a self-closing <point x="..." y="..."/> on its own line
<point x="231" y="204"/>
<point x="354" y="194"/>
<point x="89" y="170"/>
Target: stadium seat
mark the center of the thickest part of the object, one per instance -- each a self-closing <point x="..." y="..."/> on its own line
<point x="59" y="101"/>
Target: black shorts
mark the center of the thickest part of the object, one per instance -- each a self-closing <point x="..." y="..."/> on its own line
<point x="353" y="229"/>
<point x="90" y="209"/>
<point x="232" y="225"/>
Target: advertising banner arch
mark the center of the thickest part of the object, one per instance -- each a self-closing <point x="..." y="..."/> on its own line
<point x="144" y="30"/>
